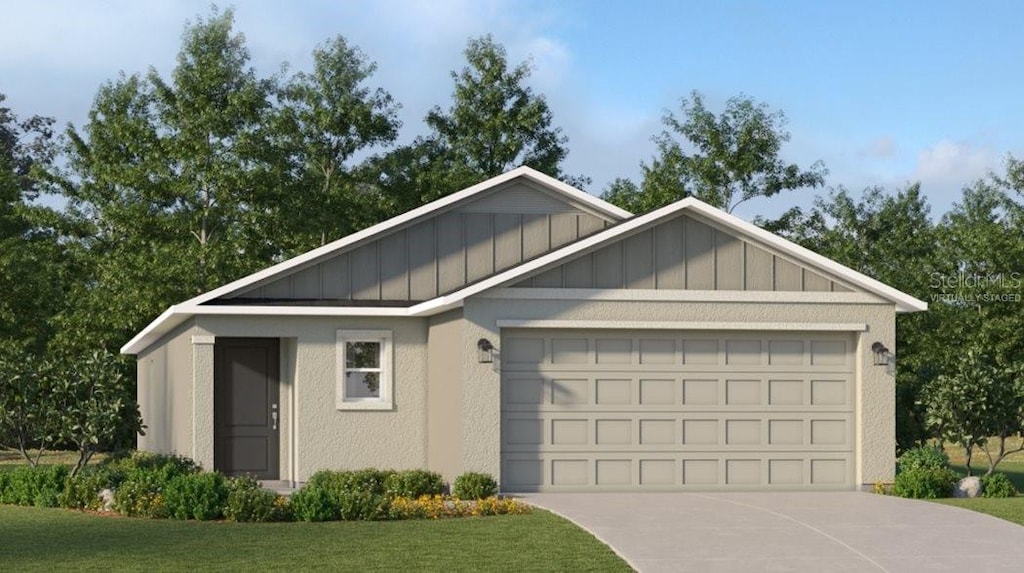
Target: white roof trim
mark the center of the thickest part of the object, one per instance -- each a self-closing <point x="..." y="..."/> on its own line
<point x="526" y="172"/>
<point x="666" y="295"/>
<point x="687" y="325"/>
<point x="904" y="302"/>
<point x="177" y="314"/>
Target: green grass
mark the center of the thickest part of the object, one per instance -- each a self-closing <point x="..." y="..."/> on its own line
<point x="55" y="539"/>
<point x="1010" y="509"/>
<point x="10" y="459"/>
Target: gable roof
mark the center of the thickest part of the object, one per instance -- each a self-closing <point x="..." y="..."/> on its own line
<point x="903" y="301"/>
<point x="177" y="314"/>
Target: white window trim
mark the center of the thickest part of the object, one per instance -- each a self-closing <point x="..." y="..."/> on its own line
<point x="386" y="399"/>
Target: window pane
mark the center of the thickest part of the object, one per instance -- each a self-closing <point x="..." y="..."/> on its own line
<point x="362" y="354"/>
<point x="362" y="384"/>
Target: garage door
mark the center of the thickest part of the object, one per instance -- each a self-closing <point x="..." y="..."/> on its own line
<point x="635" y="410"/>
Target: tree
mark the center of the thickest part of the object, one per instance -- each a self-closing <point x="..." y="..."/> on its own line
<point x="978" y="401"/>
<point x="33" y="273"/>
<point x="723" y="160"/>
<point x="325" y="118"/>
<point x="495" y="123"/>
<point x="26" y="403"/>
<point x="93" y="404"/>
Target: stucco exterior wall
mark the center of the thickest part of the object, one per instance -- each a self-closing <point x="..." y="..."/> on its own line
<point x="481" y="394"/>
<point x="324" y="437"/>
<point x="165" y="393"/>
<point x="444" y="394"/>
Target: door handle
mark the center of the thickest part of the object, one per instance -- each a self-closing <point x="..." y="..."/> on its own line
<point x="273" y="416"/>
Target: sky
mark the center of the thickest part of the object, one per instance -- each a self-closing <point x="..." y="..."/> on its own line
<point x="884" y="93"/>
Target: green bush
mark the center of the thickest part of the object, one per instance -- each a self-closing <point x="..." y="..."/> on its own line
<point x="361" y="506"/>
<point x="366" y="480"/>
<point x="922" y="482"/>
<point x="41" y="486"/>
<point x="413" y="484"/>
<point x="315" y="503"/>
<point x="997" y="485"/>
<point x="140" y="482"/>
<point x="247" y="501"/>
<point x="200" y="496"/>
<point x="923" y="457"/>
<point x="473" y="485"/>
<point x="83" y="490"/>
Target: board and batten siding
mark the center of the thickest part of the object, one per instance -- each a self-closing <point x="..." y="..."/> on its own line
<point x="683" y="253"/>
<point x="442" y="254"/>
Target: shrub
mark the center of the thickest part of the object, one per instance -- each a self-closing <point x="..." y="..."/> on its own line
<point x="923" y="457"/>
<point x="361" y="506"/>
<point x="83" y="490"/>
<point x="366" y="480"/>
<point x="140" y="481"/>
<point x="41" y="486"/>
<point x="922" y="482"/>
<point x="473" y="485"/>
<point x="200" y="496"/>
<point x="247" y="501"/>
<point x="314" y="503"/>
<point x="499" y="506"/>
<point x="997" y="485"/>
<point x="413" y="484"/>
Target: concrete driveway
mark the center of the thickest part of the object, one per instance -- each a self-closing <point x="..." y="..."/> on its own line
<point x="782" y="531"/>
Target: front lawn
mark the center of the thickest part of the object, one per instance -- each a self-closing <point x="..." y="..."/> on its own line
<point x="57" y="539"/>
<point x="1009" y="508"/>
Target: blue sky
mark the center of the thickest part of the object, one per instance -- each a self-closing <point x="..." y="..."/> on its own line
<point x="885" y="93"/>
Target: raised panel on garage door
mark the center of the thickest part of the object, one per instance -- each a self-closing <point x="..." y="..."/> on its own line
<point x="663" y="410"/>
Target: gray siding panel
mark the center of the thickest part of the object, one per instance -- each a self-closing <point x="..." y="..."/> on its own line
<point x="479" y="246"/>
<point x="278" y="289"/>
<point x="536" y="235"/>
<point x="608" y="267"/>
<point x="394" y="267"/>
<point x="639" y="259"/>
<point x="518" y="197"/>
<point x="422" y="262"/>
<point x="760" y="270"/>
<point x="684" y="253"/>
<point x="700" y="255"/>
<point x="788" y="276"/>
<point x="668" y="255"/>
<point x="365" y="269"/>
<point x="508" y="240"/>
<point x="729" y="269"/>
<point x="306" y="283"/>
<point x="564" y="229"/>
<point x="815" y="282"/>
<point x="451" y="256"/>
<point x="335" y="277"/>
<point x="590" y="224"/>
<point x="579" y="273"/>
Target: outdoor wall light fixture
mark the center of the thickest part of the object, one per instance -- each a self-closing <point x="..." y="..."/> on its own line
<point x="882" y="355"/>
<point x="485" y="351"/>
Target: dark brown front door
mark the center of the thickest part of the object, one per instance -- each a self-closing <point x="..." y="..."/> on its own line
<point x="246" y="415"/>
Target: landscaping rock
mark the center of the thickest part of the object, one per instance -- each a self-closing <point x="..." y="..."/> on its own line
<point x="968" y="487"/>
<point x="107" y="499"/>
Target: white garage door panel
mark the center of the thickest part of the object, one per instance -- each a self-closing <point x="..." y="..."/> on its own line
<point x="660" y="410"/>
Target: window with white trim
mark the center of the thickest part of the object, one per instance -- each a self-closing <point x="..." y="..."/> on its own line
<point x="364" y="370"/>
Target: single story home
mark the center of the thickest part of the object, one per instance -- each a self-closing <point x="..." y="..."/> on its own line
<point x="529" y="330"/>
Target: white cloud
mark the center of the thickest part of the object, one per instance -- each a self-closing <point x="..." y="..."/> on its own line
<point x="883" y="147"/>
<point x="948" y="166"/>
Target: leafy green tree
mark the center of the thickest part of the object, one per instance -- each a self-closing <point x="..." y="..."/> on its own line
<point x="93" y="404"/>
<point x="723" y="160"/>
<point x="977" y="401"/>
<point x="325" y="118"/>
<point x="33" y="273"/>
<point x="26" y="403"/>
<point x="496" y="122"/>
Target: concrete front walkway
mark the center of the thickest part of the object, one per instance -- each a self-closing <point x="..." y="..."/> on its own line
<point x="787" y="531"/>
